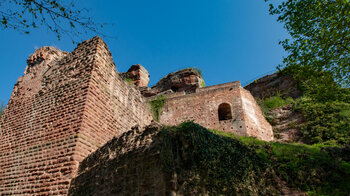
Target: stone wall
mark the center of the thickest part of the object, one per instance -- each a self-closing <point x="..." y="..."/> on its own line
<point x="255" y="122"/>
<point x="126" y="165"/>
<point x="136" y="75"/>
<point x="203" y="108"/>
<point x="63" y="108"/>
<point x="112" y="106"/>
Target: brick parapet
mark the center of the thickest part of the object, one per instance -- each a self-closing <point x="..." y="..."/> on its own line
<point x="199" y="91"/>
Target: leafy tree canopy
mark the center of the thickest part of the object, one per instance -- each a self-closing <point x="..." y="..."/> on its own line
<point x="320" y="37"/>
<point x="60" y="17"/>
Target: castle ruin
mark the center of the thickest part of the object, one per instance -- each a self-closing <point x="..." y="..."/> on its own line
<point x="67" y="105"/>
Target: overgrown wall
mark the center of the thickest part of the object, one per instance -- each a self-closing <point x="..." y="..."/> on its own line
<point x="126" y="165"/>
<point x="182" y="160"/>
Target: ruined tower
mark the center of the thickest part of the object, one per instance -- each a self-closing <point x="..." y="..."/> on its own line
<point x="65" y="106"/>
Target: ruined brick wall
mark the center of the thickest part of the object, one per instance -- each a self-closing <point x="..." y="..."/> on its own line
<point x="256" y="124"/>
<point x="112" y="106"/>
<point x="38" y="128"/>
<point x="202" y="108"/>
<point x="126" y="165"/>
<point x="61" y="110"/>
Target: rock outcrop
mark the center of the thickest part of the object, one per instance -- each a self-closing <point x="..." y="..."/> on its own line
<point x="285" y="124"/>
<point x="284" y="120"/>
<point x="136" y="75"/>
<point x="184" y="80"/>
<point x="187" y="80"/>
<point x="270" y="85"/>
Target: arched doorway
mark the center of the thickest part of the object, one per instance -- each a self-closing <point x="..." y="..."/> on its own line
<point x="224" y="112"/>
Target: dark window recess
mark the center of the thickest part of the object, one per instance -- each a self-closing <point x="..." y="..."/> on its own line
<point x="174" y="89"/>
<point x="224" y="112"/>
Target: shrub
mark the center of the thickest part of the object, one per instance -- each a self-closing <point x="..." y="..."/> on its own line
<point x="324" y="121"/>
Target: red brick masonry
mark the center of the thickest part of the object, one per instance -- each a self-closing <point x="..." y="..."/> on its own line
<point x="58" y="115"/>
<point x="203" y="108"/>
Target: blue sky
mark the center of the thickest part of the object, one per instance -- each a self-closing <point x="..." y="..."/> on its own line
<point x="228" y="40"/>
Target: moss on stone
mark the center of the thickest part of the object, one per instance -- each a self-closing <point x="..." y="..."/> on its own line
<point x="157" y="106"/>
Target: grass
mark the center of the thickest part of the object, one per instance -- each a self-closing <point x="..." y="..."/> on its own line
<point x="276" y="101"/>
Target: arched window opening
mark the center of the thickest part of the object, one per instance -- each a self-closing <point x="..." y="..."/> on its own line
<point x="224" y="112"/>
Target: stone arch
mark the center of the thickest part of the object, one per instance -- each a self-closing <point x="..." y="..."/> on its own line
<point x="224" y="112"/>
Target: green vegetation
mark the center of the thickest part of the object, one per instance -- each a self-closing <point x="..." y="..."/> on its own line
<point x="270" y="103"/>
<point x="310" y="168"/>
<point x="325" y="106"/>
<point x="318" y="59"/>
<point x="202" y="83"/>
<point x="220" y="163"/>
<point x="319" y="31"/>
<point x="157" y="106"/>
<point x="318" y="85"/>
<point x="205" y="162"/>
<point x="325" y="122"/>
<point x="129" y="81"/>
<point x="276" y="101"/>
<point x="62" y="18"/>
